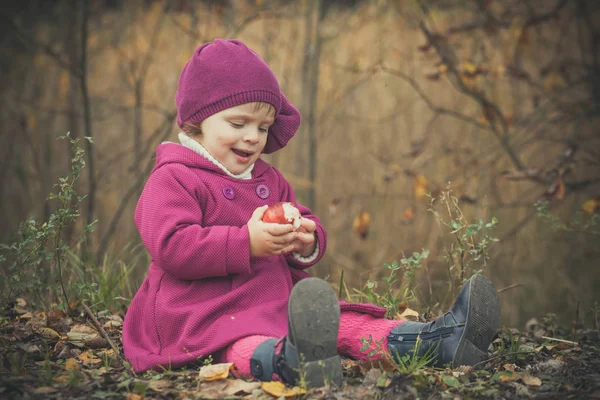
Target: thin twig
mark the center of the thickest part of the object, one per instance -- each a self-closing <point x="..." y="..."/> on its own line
<point x="500" y="356"/>
<point x="560" y="340"/>
<point x="509" y="287"/>
<point x="105" y="336"/>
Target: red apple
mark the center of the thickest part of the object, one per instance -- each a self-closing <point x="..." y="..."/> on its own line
<point x="283" y="213"/>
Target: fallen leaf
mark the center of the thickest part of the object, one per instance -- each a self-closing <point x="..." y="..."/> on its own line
<point x="81" y="333"/>
<point x="506" y="376"/>
<point x="278" y="389"/>
<point x="420" y="187"/>
<point x="215" y="372"/>
<point x="407" y="314"/>
<point x="114" y="321"/>
<point x="88" y="358"/>
<point x="240" y="386"/>
<point x="96" y="343"/>
<point x="49" y="333"/>
<point x="62" y="379"/>
<point x="27" y="315"/>
<point x="361" y="224"/>
<point x="71" y="365"/>
<point x="450" y="380"/>
<point x="159" y="385"/>
<point x="408" y="215"/>
<point x="531" y="380"/>
<point x="45" y="390"/>
<point x="590" y="206"/>
<point x="55" y="315"/>
<point x="461" y="370"/>
<point x="134" y="396"/>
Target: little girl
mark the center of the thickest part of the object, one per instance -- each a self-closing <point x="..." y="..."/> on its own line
<point x="224" y="283"/>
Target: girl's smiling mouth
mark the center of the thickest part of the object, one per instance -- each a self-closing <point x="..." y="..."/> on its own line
<point x="241" y="153"/>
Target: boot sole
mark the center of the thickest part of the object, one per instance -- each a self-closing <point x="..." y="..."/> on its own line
<point x="483" y="321"/>
<point x="314" y="320"/>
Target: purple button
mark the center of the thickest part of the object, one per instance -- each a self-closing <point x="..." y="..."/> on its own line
<point x="262" y="191"/>
<point x="229" y="192"/>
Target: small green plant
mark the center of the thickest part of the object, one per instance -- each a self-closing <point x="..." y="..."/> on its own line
<point x="550" y="323"/>
<point x="208" y="361"/>
<point x="367" y="343"/>
<point x="36" y="259"/>
<point x="104" y="285"/>
<point x="468" y="253"/>
<point x="411" y="362"/>
<point x="406" y="363"/>
<point x="394" y="294"/>
<point x="580" y="222"/>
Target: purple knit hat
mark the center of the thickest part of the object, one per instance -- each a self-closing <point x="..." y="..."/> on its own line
<point x="226" y="73"/>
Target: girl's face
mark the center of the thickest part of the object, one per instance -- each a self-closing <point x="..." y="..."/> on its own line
<point x="237" y="136"/>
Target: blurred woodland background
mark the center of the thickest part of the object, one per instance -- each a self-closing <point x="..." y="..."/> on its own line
<point x="400" y="98"/>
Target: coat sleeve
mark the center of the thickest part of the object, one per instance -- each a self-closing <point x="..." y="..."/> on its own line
<point x="169" y="218"/>
<point x="287" y="194"/>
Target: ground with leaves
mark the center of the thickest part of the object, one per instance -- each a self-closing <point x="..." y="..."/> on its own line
<point x="53" y="355"/>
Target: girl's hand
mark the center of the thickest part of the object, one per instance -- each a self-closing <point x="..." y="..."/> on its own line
<point x="267" y="239"/>
<point x="306" y="242"/>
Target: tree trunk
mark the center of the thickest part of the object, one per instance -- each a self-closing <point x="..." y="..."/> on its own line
<point x="87" y="120"/>
<point x="311" y="83"/>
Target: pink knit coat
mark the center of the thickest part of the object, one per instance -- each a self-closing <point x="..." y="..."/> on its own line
<point x="204" y="291"/>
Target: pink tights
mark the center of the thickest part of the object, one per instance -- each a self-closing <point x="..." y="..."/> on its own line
<point x="353" y="327"/>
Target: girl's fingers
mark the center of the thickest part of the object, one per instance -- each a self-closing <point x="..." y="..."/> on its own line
<point x="306" y="238"/>
<point x="258" y="213"/>
<point x="308" y="224"/>
<point x="279" y="229"/>
<point x="284" y="239"/>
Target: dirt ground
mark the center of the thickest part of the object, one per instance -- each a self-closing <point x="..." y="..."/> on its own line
<point x="55" y="356"/>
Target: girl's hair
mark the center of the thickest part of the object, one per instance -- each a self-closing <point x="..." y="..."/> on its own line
<point x="192" y="130"/>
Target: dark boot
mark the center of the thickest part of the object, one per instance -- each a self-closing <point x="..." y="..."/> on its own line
<point x="309" y="352"/>
<point x="459" y="337"/>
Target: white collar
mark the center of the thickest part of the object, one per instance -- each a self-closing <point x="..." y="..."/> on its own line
<point x="191" y="144"/>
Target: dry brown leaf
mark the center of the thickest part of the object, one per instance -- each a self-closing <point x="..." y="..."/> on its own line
<point x="81" y="333"/>
<point x="361" y="224"/>
<point x="159" y="385"/>
<point x="590" y="206"/>
<point x="408" y="215"/>
<point x="44" y="390"/>
<point x="383" y="363"/>
<point x="27" y="315"/>
<point x="531" y="380"/>
<point x="49" y="333"/>
<point x="55" y="315"/>
<point x="407" y="314"/>
<point x="420" y="187"/>
<point x="215" y="372"/>
<point x="134" y="396"/>
<point x="510" y="376"/>
<point x="278" y="389"/>
<point x="88" y="358"/>
<point x="71" y="365"/>
<point x="62" y="379"/>
<point x="97" y="342"/>
<point x="239" y="386"/>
